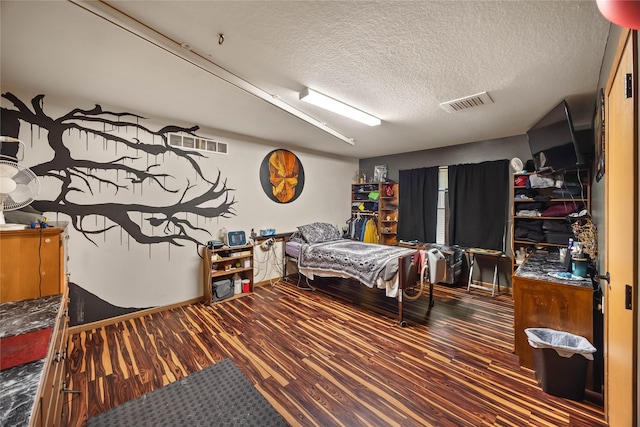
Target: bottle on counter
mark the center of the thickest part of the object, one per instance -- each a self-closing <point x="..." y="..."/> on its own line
<point x="567" y="257"/>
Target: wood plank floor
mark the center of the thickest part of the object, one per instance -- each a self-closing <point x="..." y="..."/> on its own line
<point x="324" y="361"/>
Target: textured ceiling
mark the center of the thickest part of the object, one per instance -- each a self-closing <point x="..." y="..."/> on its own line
<point x="394" y="59"/>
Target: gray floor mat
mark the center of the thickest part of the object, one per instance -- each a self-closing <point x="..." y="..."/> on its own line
<point x="219" y="395"/>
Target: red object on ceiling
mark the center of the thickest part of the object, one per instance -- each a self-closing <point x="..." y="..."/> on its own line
<point x="625" y="13"/>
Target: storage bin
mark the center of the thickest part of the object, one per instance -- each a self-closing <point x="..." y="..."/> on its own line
<point x="221" y="289"/>
<point x="246" y="285"/>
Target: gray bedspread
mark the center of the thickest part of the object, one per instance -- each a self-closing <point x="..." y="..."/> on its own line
<point x="362" y="261"/>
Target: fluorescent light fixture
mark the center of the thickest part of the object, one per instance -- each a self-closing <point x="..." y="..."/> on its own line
<point x="323" y="101"/>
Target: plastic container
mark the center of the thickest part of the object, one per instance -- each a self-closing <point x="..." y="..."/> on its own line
<point x="237" y="284"/>
<point x="246" y="285"/>
<point x="579" y="266"/>
<point x="560" y="360"/>
<point x="562" y="253"/>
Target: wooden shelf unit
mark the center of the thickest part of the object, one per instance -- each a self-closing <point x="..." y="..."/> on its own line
<point x="221" y="263"/>
<point x="572" y="176"/>
<point x="386" y="215"/>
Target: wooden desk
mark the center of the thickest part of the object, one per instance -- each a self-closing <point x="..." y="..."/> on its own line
<point x="274" y="268"/>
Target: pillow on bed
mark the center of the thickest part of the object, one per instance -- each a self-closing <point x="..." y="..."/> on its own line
<point x="297" y="237"/>
<point x="319" y="232"/>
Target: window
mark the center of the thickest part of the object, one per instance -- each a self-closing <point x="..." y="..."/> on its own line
<point x="175" y="140"/>
<point x="196" y="143"/>
<point x="443" y="189"/>
<point x="188" y="142"/>
<point x="222" y="148"/>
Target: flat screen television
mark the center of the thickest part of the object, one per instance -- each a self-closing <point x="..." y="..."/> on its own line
<point x="553" y="141"/>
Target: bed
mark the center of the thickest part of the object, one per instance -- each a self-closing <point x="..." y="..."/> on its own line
<point x="319" y="250"/>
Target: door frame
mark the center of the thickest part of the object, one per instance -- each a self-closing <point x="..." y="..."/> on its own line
<point x="628" y="39"/>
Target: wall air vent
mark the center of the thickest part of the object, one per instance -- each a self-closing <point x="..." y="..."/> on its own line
<point x="467" y="102"/>
<point x="197" y="143"/>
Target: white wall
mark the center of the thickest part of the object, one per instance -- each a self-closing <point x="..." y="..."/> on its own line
<point x="126" y="273"/>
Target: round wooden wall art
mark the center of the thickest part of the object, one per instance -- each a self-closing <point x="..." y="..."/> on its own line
<point x="282" y="176"/>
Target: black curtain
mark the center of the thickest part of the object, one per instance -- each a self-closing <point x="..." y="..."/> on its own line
<point x="478" y="195"/>
<point x="418" y="205"/>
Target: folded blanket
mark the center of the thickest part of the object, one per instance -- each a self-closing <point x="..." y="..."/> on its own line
<point x="561" y="209"/>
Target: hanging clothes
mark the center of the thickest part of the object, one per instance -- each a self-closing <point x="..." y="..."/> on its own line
<point x="371" y="232"/>
<point x="358" y="227"/>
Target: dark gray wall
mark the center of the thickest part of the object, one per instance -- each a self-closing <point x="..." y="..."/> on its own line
<point x="474" y="152"/>
<point x="504" y="148"/>
<point x="598" y="188"/>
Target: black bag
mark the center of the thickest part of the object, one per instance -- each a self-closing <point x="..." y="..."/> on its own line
<point x="221" y="289"/>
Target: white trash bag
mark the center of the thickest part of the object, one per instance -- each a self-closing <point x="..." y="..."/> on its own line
<point x="564" y="343"/>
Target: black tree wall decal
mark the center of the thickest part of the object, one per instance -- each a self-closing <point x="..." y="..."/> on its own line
<point x="204" y="198"/>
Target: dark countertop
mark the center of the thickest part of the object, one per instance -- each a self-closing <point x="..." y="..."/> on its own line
<point x="20" y="317"/>
<point x="19" y="385"/>
<point x="540" y="263"/>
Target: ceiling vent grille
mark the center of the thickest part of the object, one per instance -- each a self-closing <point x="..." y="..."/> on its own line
<point x="467" y="102"/>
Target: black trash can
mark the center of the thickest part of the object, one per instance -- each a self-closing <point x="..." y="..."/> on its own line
<point x="560" y="361"/>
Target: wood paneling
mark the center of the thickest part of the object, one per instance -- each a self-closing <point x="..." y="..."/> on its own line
<point x="32" y="263"/>
<point x="621" y="247"/>
<point x="324" y="361"/>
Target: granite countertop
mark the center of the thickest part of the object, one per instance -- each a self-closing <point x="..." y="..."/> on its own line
<point x="540" y="263"/>
<point x="19" y="384"/>
<point x="18" y="389"/>
<point x="20" y="317"/>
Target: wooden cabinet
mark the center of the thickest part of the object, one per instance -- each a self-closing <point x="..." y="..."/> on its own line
<point x="33" y="281"/>
<point x="530" y="232"/>
<point x="541" y="300"/>
<point x="378" y="201"/>
<point x="545" y="304"/>
<point x="33" y="338"/>
<point x="225" y="263"/>
<point x="49" y="400"/>
<point x="32" y="263"/>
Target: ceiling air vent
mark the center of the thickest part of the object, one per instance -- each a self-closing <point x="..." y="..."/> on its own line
<point x="467" y="102"/>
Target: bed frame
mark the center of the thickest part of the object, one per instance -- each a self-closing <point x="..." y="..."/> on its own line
<point x="410" y="281"/>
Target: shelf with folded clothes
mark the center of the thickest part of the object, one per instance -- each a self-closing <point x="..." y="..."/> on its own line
<point x="563" y="218"/>
<point x="542" y="229"/>
<point x="541" y="210"/>
<point x="530" y="242"/>
<point x="575" y="199"/>
<point x="378" y="201"/>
